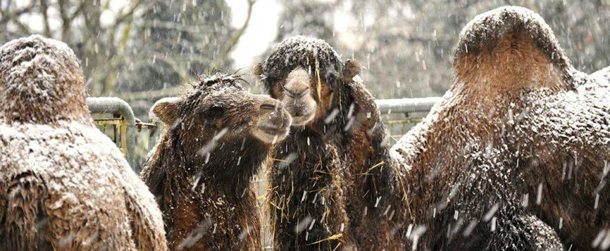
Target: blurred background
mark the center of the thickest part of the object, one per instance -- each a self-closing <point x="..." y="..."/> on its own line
<point x="143" y="50"/>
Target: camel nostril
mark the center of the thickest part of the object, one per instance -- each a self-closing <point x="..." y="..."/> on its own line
<point x="270" y="107"/>
<point x="297" y="94"/>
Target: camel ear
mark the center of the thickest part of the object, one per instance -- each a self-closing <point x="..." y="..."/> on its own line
<point x="511" y="49"/>
<point x="352" y="68"/>
<point x="166" y="109"/>
<point x="257" y="69"/>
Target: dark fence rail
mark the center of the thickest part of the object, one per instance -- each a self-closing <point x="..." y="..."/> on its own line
<point x="406" y="105"/>
<point x="122" y="120"/>
<point x="116" y="119"/>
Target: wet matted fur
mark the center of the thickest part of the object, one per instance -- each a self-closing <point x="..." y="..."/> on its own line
<point x="330" y="175"/>
<point x="63" y="184"/>
<point x="514" y="156"/>
<point x="202" y="168"/>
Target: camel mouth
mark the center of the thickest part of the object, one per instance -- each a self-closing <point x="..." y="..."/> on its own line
<point x="273" y="130"/>
<point x="299" y="121"/>
<point x="270" y="134"/>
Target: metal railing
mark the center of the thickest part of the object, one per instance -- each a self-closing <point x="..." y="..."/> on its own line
<point x="412" y="111"/>
<point x="122" y="121"/>
<point x="124" y="126"/>
<point x="406" y="105"/>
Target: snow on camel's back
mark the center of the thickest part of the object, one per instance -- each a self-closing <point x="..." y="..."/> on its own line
<point x="520" y="138"/>
<point x="63" y="184"/>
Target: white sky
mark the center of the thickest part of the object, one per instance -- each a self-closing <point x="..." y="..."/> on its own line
<point x="259" y="34"/>
<point x="262" y="30"/>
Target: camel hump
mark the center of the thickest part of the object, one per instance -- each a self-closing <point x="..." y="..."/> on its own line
<point x="513" y="47"/>
<point x="602" y="76"/>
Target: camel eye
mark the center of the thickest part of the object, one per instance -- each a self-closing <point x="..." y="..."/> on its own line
<point x="216" y="111"/>
<point x="277" y="91"/>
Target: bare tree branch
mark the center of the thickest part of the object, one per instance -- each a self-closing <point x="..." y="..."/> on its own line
<point x="78" y="10"/>
<point x="156" y="94"/>
<point x="14" y="15"/>
<point x="65" y="19"/>
<point x="5" y="10"/>
<point x="228" y="46"/>
<point x="44" y="7"/>
<point x="127" y="15"/>
<point x="218" y="61"/>
<point x="173" y="26"/>
<point x="117" y="47"/>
